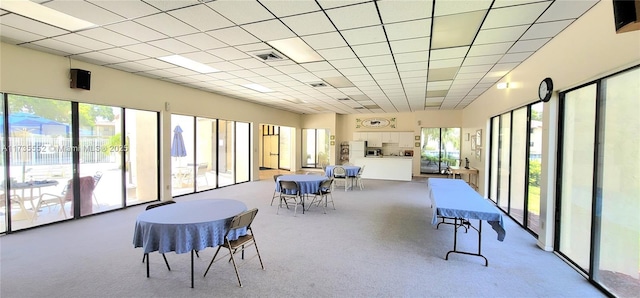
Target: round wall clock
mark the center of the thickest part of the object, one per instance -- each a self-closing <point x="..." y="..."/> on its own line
<point x="545" y="89"/>
<point x="376" y="122"/>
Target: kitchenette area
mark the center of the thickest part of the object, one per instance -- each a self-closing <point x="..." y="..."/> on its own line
<point x="385" y="155"/>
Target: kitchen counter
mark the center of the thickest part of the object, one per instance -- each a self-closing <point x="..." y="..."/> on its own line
<point x="386" y="167"/>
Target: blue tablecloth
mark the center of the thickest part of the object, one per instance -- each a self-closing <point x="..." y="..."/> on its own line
<point x="455" y="198"/>
<point x="187" y="226"/>
<point x="352" y="171"/>
<point x="308" y="184"/>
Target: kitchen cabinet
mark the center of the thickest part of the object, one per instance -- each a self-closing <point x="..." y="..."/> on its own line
<point x="359" y="136"/>
<point x="374" y="139"/>
<point x="405" y="139"/>
<point x="390" y="137"/>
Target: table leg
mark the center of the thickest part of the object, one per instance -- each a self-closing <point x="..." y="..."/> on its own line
<point x="455" y="237"/>
<point x="192" y="268"/>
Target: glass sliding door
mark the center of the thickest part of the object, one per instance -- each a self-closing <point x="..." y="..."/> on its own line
<point x="315" y="148"/>
<point x="226" y="153"/>
<point x="40" y="160"/>
<point x="286" y="143"/>
<point x="518" y="170"/>
<point x="243" y="152"/>
<point x="182" y="155"/>
<point x="101" y="157"/>
<point x="440" y="148"/>
<point x="141" y="156"/>
<point x="495" y="159"/>
<point x="618" y="242"/>
<point x="6" y="206"/>
<point x="578" y="146"/>
<point x="535" y="167"/>
<point x="599" y="189"/>
<point x="206" y="152"/>
<point x="504" y="165"/>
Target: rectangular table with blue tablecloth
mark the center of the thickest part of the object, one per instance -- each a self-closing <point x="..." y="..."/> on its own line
<point x="455" y="199"/>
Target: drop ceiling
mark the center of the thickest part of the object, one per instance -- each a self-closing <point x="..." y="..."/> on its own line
<point x="374" y="56"/>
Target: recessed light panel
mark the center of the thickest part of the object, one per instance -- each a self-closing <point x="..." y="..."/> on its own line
<point x="45" y="14"/>
<point x="188" y="63"/>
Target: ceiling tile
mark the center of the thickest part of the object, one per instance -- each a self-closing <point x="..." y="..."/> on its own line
<point x="337" y="53"/>
<point x="241" y="12"/>
<point x="407" y="30"/>
<point x="442" y="74"/>
<point x="460" y="6"/>
<point x="285" y="8"/>
<point x="343" y="17"/>
<point x="373" y="49"/>
<point x="61" y="46"/>
<point x="446" y="63"/>
<point x="201" y="41"/>
<point x="543" y="30"/>
<point x="353" y="71"/>
<point x="412" y="66"/>
<point x="136" y="31"/>
<point x="300" y="23"/>
<point x="382" y="69"/>
<point x="201" y="17"/>
<point x="172" y="45"/>
<point x="98" y="58"/>
<point x="123" y="54"/>
<point x="165" y="5"/>
<point x="127" y="9"/>
<point x="317" y="66"/>
<point x="228" y="53"/>
<point x="475" y="68"/>
<point x="421" y="56"/>
<point x="562" y="10"/>
<point x="410" y="45"/>
<point x="326" y="4"/>
<point x="269" y="30"/>
<point x="531" y="45"/>
<point x="489" y="49"/>
<point x="400" y="11"/>
<point x="377" y="60"/>
<point x="86" y="42"/>
<point x="85" y="11"/>
<point x="325" y="40"/>
<point x="365" y="35"/>
<point x="233" y="36"/>
<point x="515" y="57"/>
<point x="458" y="52"/>
<point x="147" y="50"/>
<point x="29" y="25"/>
<point x="500" y="35"/>
<point x="514" y="15"/>
<point x="480" y="60"/>
<point x="166" y="24"/>
<point x="17" y="35"/>
<point x="108" y="36"/>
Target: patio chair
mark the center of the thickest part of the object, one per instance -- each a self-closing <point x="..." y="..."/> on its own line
<point x="96" y="178"/>
<point x="87" y="185"/>
<point x="242" y="220"/>
<point x="201" y="172"/>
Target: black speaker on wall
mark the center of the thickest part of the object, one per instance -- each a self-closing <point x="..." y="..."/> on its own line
<point x="80" y="79"/>
<point x="626" y="14"/>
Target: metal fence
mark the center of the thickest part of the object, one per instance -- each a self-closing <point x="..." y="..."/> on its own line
<point x="34" y="151"/>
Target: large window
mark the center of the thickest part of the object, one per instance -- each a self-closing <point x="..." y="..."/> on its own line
<point x="315" y="148"/>
<point x="66" y="160"/>
<point x="599" y="189"/>
<point x="515" y="156"/>
<point x="208" y="153"/>
<point x="439" y="148"/>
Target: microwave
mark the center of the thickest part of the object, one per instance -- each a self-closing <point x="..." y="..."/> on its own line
<point x="376" y="152"/>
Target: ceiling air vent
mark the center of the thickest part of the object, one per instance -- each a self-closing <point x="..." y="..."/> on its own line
<point x="319" y="84"/>
<point x="344" y="98"/>
<point x="358" y="108"/>
<point x="270" y="56"/>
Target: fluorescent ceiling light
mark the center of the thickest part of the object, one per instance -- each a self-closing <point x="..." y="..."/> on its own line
<point x="502" y="85"/>
<point x="258" y="88"/>
<point x="296" y="49"/>
<point x="339" y="82"/>
<point x="456" y="30"/>
<point x="188" y="63"/>
<point x="45" y="14"/>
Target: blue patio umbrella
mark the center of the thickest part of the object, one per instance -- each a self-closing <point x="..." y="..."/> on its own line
<point x="177" y="145"/>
